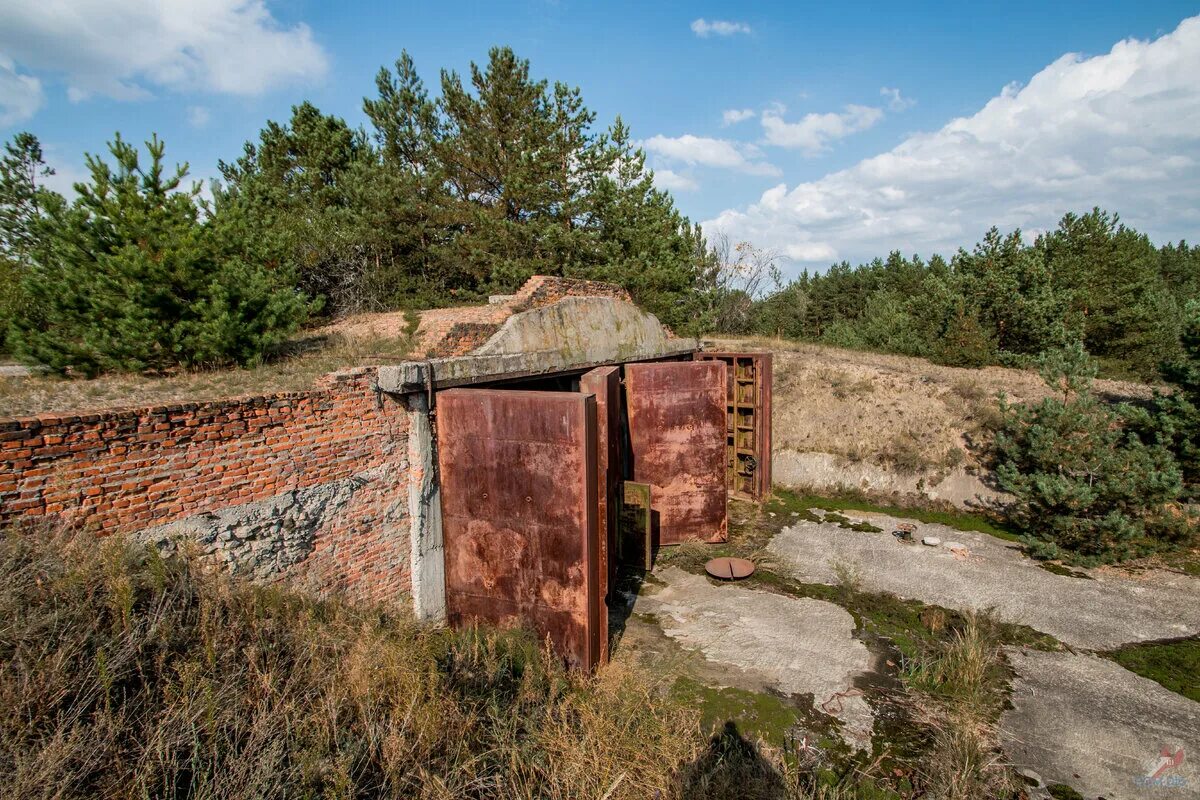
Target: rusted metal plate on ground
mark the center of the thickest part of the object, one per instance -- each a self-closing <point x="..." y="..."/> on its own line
<point x="605" y="384"/>
<point x="518" y="488"/>
<point x="728" y="568"/>
<point x="677" y="440"/>
<point x="635" y="539"/>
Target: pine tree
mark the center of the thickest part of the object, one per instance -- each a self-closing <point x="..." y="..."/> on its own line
<point x="1085" y="487"/>
<point x="23" y="202"/>
<point x="132" y="281"/>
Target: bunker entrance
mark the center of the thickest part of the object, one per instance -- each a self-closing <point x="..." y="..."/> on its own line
<point x="548" y="483"/>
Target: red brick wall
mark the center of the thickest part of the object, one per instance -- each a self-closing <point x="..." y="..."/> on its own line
<point x="132" y="469"/>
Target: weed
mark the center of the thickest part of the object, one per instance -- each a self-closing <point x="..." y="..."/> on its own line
<point x="1063" y="569"/>
<point x="848" y="574"/>
<point x="905" y="453"/>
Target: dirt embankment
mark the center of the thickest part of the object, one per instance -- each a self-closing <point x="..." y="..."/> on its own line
<point x="885" y="424"/>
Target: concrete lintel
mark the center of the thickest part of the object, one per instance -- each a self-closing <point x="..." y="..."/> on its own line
<point x="413" y="376"/>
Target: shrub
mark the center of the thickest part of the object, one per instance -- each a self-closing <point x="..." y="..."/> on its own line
<point x="1085" y="486"/>
<point x="131" y="280"/>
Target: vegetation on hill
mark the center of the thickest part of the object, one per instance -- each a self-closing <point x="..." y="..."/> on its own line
<point x="1085" y="485"/>
<point x="500" y="177"/>
<point x="1004" y="302"/>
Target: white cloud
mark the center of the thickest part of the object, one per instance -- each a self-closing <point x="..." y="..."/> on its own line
<point x="1119" y="130"/>
<point x="20" y="95"/>
<point x="718" y="27"/>
<point x="733" y="116"/>
<point x="198" y="116"/>
<point x="673" y="181"/>
<point x="708" y="152"/>
<point x="123" y="48"/>
<point x="897" y="101"/>
<point x="813" y="132"/>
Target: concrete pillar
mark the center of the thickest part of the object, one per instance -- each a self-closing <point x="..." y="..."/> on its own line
<point x="425" y="514"/>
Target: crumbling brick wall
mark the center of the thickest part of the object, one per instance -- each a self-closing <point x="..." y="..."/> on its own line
<point x="310" y="485"/>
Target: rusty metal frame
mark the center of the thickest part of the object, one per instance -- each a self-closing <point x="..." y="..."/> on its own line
<point x="748" y="396"/>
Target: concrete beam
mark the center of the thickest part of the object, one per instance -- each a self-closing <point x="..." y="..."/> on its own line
<point x="427" y="552"/>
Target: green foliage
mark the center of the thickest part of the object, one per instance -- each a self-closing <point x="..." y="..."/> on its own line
<point x="131" y="280"/>
<point x="1173" y="418"/>
<point x="1086" y="487"/>
<point x="21" y="214"/>
<point x="1005" y="301"/>
<point x="500" y="177"/>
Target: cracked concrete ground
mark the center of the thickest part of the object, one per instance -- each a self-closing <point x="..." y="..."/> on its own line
<point x="1077" y="718"/>
<point x="802" y="646"/>
<point x="1081" y="715"/>
<point x="1110" y="610"/>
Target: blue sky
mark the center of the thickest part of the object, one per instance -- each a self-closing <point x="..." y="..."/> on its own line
<point x="823" y="163"/>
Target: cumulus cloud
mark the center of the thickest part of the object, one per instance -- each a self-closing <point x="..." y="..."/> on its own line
<point x="673" y="181"/>
<point x="20" y="95"/>
<point x="897" y="101"/>
<point x="709" y="152"/>
<point x="718" y="27"/>
<point x="733" y="116"/>
<point x="1119" y="130"/>
<point x="198" y="116"/>
<point x="124" y="48"/>
<point x="813" y="133"/>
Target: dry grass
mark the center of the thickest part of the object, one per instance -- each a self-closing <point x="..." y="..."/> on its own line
<point x="960" y="689"/>
<point x="127" y="675"/>
<point x="906" y="414"/>
<point x="295" y="369"/>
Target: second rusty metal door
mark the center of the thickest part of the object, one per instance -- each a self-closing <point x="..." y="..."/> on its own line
<point x="676" y="413"/>
<point x="519" y="514"/>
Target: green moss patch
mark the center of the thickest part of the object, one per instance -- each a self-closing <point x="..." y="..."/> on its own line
<point x="1175" y="665"/>
<point x="788" y="501"/>
<point x="756" y="714"/>
<point x="1063" y="569"/>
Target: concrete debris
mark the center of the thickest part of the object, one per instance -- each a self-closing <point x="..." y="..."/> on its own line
<point x="931" y="541"/>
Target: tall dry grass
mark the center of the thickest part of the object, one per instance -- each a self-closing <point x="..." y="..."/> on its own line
<point x="960" y="690"/>
<point x="127" y="675"/>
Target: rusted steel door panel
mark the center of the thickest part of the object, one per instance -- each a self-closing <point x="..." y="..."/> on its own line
<point x="677" y="438"/>
<point x="518" y="487"/>
<point x="748" y="398"/>
<point x="605" y="384"/>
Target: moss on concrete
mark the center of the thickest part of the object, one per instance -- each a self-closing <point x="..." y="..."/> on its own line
<point x="787" y="501"/>
<point x="1174" y="665"/>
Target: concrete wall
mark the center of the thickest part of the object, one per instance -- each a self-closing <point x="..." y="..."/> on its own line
<point x="312" y="485"/>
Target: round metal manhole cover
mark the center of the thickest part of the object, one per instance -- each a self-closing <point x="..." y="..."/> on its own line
<point x="730" y="569"/>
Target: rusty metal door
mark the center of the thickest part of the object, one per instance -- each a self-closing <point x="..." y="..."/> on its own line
<point x="676" y="413"/>
<point x="519" y="514"/>
<point x="605" y="384"/>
